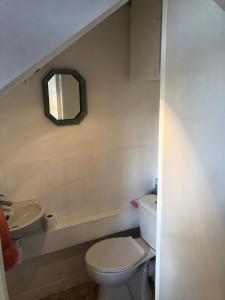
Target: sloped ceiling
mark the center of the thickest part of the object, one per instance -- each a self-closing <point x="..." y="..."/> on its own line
<point x="32" y="32"/>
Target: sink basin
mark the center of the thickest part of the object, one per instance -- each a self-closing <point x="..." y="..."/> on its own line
<point x="23" y="218"/>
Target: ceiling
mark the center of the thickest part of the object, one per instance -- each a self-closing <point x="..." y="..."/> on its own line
<point x="33" y="32"/>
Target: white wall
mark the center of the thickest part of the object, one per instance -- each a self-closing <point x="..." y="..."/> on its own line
<point x="101" y="164"/>
<point x="48" y="274"/>
<point x="192" y="161"/>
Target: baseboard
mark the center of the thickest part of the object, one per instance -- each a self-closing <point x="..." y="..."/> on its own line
<point x="53" y="287"/>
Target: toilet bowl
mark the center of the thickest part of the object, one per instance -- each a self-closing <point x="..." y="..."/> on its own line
<point x="113" y="262"/>
<point x="120" y="265"/>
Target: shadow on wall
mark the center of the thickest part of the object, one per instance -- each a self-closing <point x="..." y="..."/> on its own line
<point x="221" y="3"/>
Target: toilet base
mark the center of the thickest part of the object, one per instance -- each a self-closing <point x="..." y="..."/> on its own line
<point x="137" y="288"/>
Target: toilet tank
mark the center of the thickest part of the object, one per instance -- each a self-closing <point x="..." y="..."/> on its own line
<point x="147" y="219"/>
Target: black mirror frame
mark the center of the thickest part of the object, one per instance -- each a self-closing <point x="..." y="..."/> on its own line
<point x="83" y="100"/>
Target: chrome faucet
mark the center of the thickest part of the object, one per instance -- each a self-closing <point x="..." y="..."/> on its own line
<point x="5" y="202"/>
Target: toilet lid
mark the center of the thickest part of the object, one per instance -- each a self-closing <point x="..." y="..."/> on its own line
<point x="115" y="254"/>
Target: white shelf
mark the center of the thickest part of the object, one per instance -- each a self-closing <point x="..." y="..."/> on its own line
<point x="78" y="231"/>
<point x="32" y="34"/>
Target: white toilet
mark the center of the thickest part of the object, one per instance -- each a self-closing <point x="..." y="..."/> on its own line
<point x="120" y="265"/>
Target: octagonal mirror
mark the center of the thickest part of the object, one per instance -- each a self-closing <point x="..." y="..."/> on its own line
<point x="64" y="96"/>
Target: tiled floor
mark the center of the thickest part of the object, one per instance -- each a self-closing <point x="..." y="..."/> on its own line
<point x="85" y="291"/>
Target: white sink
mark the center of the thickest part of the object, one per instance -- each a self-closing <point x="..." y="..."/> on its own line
<point x="22" y="218"/>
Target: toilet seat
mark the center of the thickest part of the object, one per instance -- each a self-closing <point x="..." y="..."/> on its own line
<point x="114" y="255"/>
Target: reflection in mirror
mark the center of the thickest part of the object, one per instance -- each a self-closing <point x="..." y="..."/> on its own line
<point x="64" y="96"/>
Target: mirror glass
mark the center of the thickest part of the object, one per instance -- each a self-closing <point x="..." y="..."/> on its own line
<point x="64" y="96"/>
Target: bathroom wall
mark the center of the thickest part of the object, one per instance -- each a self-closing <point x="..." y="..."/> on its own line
<point x="48" y="274"/>
<point x="106" y="161"/>
<point x="191" y="261"/>
<point x="3" y="288"/>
